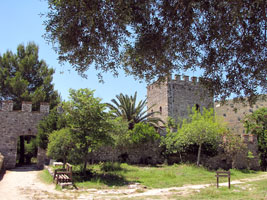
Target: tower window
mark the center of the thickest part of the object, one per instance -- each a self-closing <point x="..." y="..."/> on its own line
<point x="160" y="110"/>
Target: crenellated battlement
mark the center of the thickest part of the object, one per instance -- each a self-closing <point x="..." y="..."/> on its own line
<point x="194" y="79"/>
<point x="7" y="106"/>
<point x="177" y="79"/>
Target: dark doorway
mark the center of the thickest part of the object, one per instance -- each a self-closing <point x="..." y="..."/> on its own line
<point x="197" y="107"/>
<point x="26" y="150"/>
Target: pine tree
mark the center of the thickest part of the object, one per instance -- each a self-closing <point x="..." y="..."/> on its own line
<point x="23" y="77"/>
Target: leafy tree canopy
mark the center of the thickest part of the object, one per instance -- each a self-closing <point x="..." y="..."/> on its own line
<point x="23" y="77"/>
<point x="149" y="39"/>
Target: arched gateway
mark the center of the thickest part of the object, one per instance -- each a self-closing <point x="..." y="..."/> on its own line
<point x="14" y="124"/>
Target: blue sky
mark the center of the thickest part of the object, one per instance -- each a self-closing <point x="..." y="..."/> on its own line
<point x="20" y="22"/>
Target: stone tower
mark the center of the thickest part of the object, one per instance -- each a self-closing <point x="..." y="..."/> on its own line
<point x="175" y="97"/>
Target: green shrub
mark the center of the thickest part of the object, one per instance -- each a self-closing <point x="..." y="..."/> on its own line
<point x="143" y="132"/>
<point x="110" y="166"/>
<point x="60" y="145"/>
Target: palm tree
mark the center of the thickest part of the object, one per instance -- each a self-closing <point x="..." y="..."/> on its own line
<point x="125" y="106"/>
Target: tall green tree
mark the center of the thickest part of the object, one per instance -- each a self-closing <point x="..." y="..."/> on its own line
<point x="198" y="129"/>
<point x="256" y="124"/>
<point x="126" y="107"/>
<point x="23" y="77"/>
<point x="149" y="39"/>
<point x="88" y="120"/>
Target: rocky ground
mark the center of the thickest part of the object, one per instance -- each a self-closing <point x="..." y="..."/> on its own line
<point x="23" y="184"/>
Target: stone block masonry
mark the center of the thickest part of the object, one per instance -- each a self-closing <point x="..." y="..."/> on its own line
<point x="17" y="123"/>
<point x="175" y="97"/>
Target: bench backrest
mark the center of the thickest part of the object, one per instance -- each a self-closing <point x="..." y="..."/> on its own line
<point x="68" y="167"/>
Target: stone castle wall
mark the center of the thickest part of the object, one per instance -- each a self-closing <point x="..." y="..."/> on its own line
<point x="234" y="113"/>
<point x="17" y="123"/>
<point x="175" y="98"/>
<point x="147" y="153"/>
<point x="242" y="161"/>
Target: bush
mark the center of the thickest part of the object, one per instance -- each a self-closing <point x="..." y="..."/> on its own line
<point x="60" y="145"/>
<point x="142" y="133"/>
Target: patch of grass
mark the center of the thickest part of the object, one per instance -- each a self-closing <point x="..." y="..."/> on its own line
<point x="151" y="176"/>
<point x="106" y="175"/>
<point x="252" y="190"/>
<point x="46" y="177"/>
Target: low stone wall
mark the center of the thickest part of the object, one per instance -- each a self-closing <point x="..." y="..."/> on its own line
<point x="151" y="153"/>
<point x="148" y="153"/>
<point x="1" y="162"/>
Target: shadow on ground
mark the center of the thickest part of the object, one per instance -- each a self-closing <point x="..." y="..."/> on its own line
<point x="105" y="178"/>
<point x="26" y="168"/>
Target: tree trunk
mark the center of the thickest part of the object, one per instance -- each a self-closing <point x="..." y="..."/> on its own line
<point x="85" y="165"/>
<point x="131" y="126"/>
<point x="198" y="154"/>
<point x="181" y="157"/>
<point x="22" y="150"/>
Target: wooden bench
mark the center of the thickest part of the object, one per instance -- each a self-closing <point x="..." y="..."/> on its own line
<point x="63" y="175"/>
<point x="223" y="174"/>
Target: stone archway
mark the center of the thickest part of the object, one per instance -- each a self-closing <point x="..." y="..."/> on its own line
<point x="18" y="123"/>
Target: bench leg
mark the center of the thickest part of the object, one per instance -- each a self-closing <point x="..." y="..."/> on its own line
<point x="217" y="182"/>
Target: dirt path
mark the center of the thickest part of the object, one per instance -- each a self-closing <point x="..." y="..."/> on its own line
<point x="23" y="184"/>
